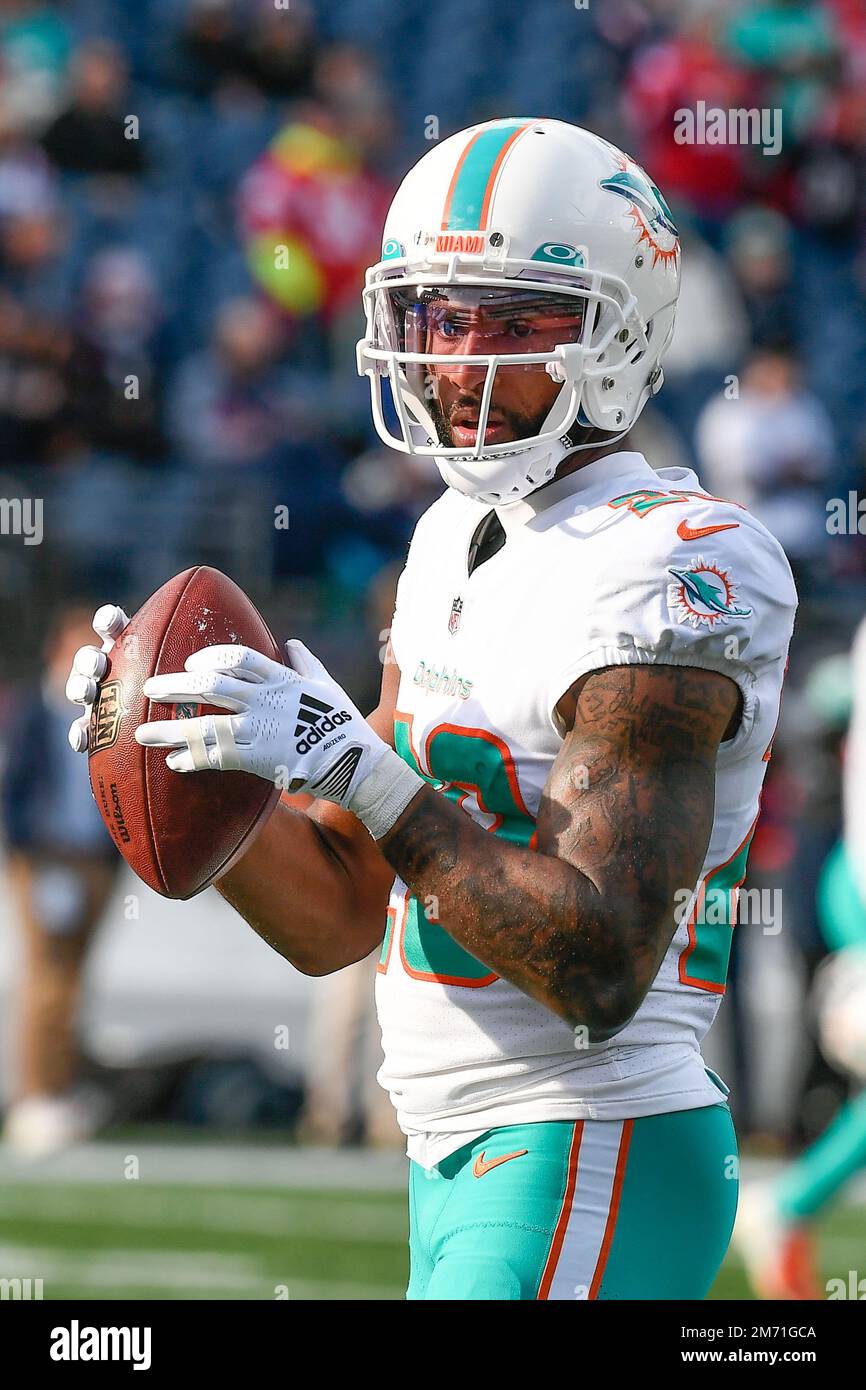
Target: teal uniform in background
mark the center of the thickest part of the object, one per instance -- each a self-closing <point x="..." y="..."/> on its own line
<point x="825" y="1167"/>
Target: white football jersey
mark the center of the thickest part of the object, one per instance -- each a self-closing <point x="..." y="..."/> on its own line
<point x="616" y="563"/>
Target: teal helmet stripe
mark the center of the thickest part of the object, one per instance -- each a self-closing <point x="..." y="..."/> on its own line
<point x="468" y="201"/>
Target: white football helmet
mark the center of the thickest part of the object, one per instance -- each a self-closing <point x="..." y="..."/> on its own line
<point x="518" y="234"/>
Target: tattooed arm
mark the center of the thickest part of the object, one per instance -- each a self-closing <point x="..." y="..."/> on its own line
<point x="624" y="822"/>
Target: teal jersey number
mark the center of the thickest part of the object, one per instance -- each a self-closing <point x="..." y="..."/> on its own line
<point x="465" y="765"/>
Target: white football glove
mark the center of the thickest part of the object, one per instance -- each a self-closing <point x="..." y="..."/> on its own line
<point x="291" y="725"/>
<point x="88" y="668"/>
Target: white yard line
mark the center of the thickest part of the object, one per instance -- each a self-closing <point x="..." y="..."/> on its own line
<point x="181" y="1271"/>
<point x="254" y="1165"/>
<point x="170" y="1269"/>
<point x="217" y="1165"/>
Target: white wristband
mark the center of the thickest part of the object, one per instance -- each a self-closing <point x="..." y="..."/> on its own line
<point x="385" y="793"/>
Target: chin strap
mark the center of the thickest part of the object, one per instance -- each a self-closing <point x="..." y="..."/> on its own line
<point x="580" y="436"/>
<point x="576" y="441"/>
<point x="586" y="437"/>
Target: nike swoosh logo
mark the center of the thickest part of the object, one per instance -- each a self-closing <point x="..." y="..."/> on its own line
<point x="480" y="1167"/>
<point x="689" y="533"/>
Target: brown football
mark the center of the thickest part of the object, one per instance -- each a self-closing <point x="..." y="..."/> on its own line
<point x="178" y="831"/>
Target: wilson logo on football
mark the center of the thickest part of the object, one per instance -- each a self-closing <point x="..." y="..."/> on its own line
<point x="105" y="717"/>
<point x="316" y="720"/>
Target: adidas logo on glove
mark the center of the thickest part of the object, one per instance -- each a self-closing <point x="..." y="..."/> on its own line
<point x="319" y="718"/>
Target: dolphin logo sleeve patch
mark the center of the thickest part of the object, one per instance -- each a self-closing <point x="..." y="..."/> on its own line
<point x="704" y="594"/>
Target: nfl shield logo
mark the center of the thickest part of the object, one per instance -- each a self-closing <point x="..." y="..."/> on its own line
<point x="454" y="620"/>
<point x="105" y="717"/>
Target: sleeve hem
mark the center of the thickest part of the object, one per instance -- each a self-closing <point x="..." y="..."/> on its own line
<point x="645" y="656"/>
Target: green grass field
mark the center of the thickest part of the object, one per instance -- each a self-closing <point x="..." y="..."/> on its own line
<point x="213" y="1242"/>
<point x="130" y="1239"/>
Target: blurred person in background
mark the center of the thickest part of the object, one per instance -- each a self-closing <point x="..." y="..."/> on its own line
<point x="687" y="65"/>
<point x="278" y="46"/>
<point x="244" y="407"/>
<point x="25" y="173"/>
<point x="90" y="135"/>
<point x="757" y="243"/>
<point x="771" y="447"/>
<point x="272" y="48"/>
<point x="236" y="403"/>
<point x="769" y="857"/>
<point x="776" y="1223"/>
<point x="348" y="83"/>
<point x="343" y="1102"/>
<point x="34" y="334"/>
<point x="310" y="211"/>
<point x="387" y="492"/>
<point x="35" y="43"/>
<point x="828" y="182"/>
<point x="710" y="338"/>
<point x="791" y="48"/>
<point x="714" y="333"/>
<point x="809" y="824"/>
<point x="311" y="207"/>
<point x="61" y="870"/>
<point x="115" y="375"/>
<point x="32" y="242"/>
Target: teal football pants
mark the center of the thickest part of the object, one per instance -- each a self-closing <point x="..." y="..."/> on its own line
<point x="585" y="1209"/>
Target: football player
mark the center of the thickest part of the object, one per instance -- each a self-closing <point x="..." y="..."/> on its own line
<point x="546" y="819"/>
<point x="777" y="1223"/>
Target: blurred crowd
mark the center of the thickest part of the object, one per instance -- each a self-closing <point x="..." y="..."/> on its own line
<point x="167" y="379"/>
<point x="191" y="189"/>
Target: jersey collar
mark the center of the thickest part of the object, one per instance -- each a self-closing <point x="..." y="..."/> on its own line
<point x="605" y="470"/>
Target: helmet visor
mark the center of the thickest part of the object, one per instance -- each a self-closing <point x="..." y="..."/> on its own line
<point x="453" y="345"/>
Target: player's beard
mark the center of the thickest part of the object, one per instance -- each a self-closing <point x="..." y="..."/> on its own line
<point x="520" y="425"/>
